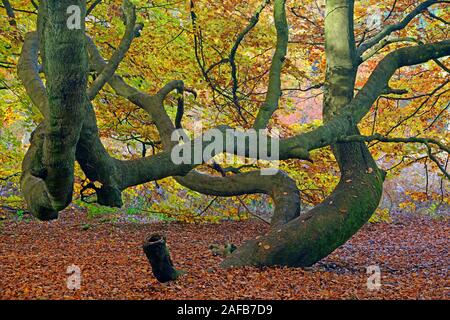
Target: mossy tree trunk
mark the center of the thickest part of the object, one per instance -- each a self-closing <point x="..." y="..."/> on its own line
<point x="315" y="234"/>
<point x="48" y="168"/>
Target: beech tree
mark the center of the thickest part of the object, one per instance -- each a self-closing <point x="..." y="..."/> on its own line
<point x="66" y="56"/>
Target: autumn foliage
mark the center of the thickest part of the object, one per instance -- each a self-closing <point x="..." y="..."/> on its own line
<point x="166" y="50"/>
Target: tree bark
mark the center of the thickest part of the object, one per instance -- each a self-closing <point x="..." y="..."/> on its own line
<point x="312" y="236"/>
<point x="70" y="131"/>
<point x="48" y="167"/>
<point x="155" y="248"/>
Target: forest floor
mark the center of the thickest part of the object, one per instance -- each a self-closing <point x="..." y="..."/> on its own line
<point x="412" y="254"/>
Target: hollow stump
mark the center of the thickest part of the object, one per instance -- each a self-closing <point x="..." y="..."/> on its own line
<point x="158" y="255"/>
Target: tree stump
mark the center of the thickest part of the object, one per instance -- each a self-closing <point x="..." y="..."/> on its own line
<point x="157" y="253"/>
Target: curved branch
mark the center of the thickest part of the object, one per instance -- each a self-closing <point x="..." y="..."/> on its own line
<point x="28" y="72"/>
<point x="108" y="71"/>
<point x="387" y="30"/>
<point x="442" y="66"/>
<point x="280" y="187"/>
<point x="231" y="58"/>
<point x="270" y="104"/>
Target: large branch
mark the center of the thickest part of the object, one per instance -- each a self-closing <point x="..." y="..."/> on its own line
<point x="352" y="114"/>
<point x="28" y="72"/>
<point x="291" y="147"/>
<point x="299" y="146"/>
<point x="280" y="187"/>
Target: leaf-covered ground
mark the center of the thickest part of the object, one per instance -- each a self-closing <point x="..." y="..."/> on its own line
<point x="412" y="254"/>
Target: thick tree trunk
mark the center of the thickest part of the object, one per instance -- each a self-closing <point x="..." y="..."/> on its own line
<point x="312" y="236"/>
<point x="48" y="168"/>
